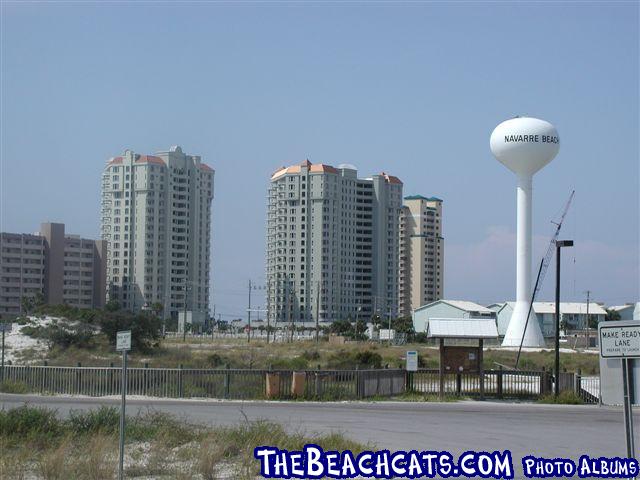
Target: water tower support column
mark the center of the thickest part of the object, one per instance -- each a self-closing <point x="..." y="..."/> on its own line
<point x="523" y="246"/>
<point x="533" y="335"/>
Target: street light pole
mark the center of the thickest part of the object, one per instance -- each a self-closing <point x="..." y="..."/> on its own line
<point x="184" y="320"/>
<point x="317" y="312"/>
<point x="249" y="316"/>
<point x="587" y="340"/>
<point x="559" y="245"/>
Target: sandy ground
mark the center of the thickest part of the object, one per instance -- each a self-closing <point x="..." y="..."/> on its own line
<point x="16" y="341"/>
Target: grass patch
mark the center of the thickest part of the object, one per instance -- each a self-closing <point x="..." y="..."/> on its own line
<point x="424" y="397"/>
<point x="37" y="443"/>
<point x="9" y="386"/>
<point x="565" y="398"/>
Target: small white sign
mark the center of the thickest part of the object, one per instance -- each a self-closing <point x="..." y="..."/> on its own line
<point x="123" y="340"/>
<point x="386" y="334"/>
<point x="412" y="361"/>
<point x="6" y="327"/>
<point x="619" y="339"/>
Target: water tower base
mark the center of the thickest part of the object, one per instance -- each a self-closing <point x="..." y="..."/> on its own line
<point x="532" y="337"/>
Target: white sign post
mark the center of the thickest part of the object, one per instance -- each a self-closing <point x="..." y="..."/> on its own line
<point x="622" y="340"/>
<point x="412" y="361"/>
<point x="123" y="343"/>
<point x="411" y="366"/>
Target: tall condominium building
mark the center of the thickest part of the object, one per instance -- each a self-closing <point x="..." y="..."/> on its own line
<point x="63" y="268"/>
<point x="156" y="220"/>
<point x="421" y="278"/>
<point x="332" y="244"/>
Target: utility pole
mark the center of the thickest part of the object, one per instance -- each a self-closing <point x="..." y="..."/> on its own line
<point x="249" y="316"/>
<point x="587" y="339"/>
<point x="289" y="309"/>
<point x="375" y="312"/>
<point x="317" y="312"/>
<point x="184" y="320"/>
<point x="213" y="320"/>
<point x="268" y="307"/>
<point x="268" y="325"/>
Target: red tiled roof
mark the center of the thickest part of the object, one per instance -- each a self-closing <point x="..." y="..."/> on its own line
<point x="150" y="159"/>
<point x="313" y="168"/>
<point x="285" y="170"/>
<point x="319" y="167"/>
<point x="115" y="160"/>
<point x="391" y="179"/>
<point x="205" y="167"/>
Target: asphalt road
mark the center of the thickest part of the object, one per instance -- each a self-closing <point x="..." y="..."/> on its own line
<point x="541" y="430"/>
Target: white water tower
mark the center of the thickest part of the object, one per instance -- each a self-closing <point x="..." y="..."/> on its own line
<point x="524" y="145"/>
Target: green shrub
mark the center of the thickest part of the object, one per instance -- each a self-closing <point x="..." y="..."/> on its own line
<point x="145" y="328"/>
<point x="215" y="360"/>
<point x="427" y="362"/>
<point x="420" y="337"/>
<point x="9" y="386"/>
<point x="311" y="355"/>
<point x="154" y="425"/>
<point x="65" y="335"/>
<point x="368" y="358"/>
<point x="27" y="421"/>
<point x="295" y="363"/>
<point x="31" y="331"/>
<point x="349" y="359"/>
<point x="565" y="398"/>
<point x="104" y="420"/>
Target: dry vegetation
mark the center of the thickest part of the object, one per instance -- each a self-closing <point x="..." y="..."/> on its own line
<point x="237" y="353"/>
<point x="37" y="444"/>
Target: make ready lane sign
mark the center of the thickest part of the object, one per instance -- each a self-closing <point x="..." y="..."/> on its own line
<point x="620" y="340"/>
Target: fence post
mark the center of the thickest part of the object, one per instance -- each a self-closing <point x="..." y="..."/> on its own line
<point x="44" y="377"/>
<point x="180" y="381"/>
<point x="78" y="379"/>
<point x="318" y="387"/>
<point x="145" y="378"/>
<point x="111" y="378"/>
<point x="499" y="382"/>
<point x="577" y="382"/>
<point x="545" y="381"/>
<point x="441" y="371"/>
<point x="227" y="381"/>
<point x="458" y="383"/>
<point x="481" y="366"/>
<point x="409" y="381"/>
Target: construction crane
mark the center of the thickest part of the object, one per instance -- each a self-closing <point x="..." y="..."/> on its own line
<point x="544" y="265"/>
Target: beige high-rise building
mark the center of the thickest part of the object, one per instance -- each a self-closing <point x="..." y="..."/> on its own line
<point x="332" y="241"/>
<point x="156" y="220"/>
<point x="421" y="277"/>
<point x="64" y="268"/>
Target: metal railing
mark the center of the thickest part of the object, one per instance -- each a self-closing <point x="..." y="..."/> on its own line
<point x="588" y="388"/>
<point x="224" y="383"/>
<point x="228" y="383"/>
<point x="354" y="384"/>
<point x="497" y="383"/>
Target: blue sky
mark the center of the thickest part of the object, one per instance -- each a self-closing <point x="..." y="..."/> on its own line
<point x="413" y="89"/>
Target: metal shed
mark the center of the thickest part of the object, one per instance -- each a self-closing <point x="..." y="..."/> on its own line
<point x="478" y="328"/>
